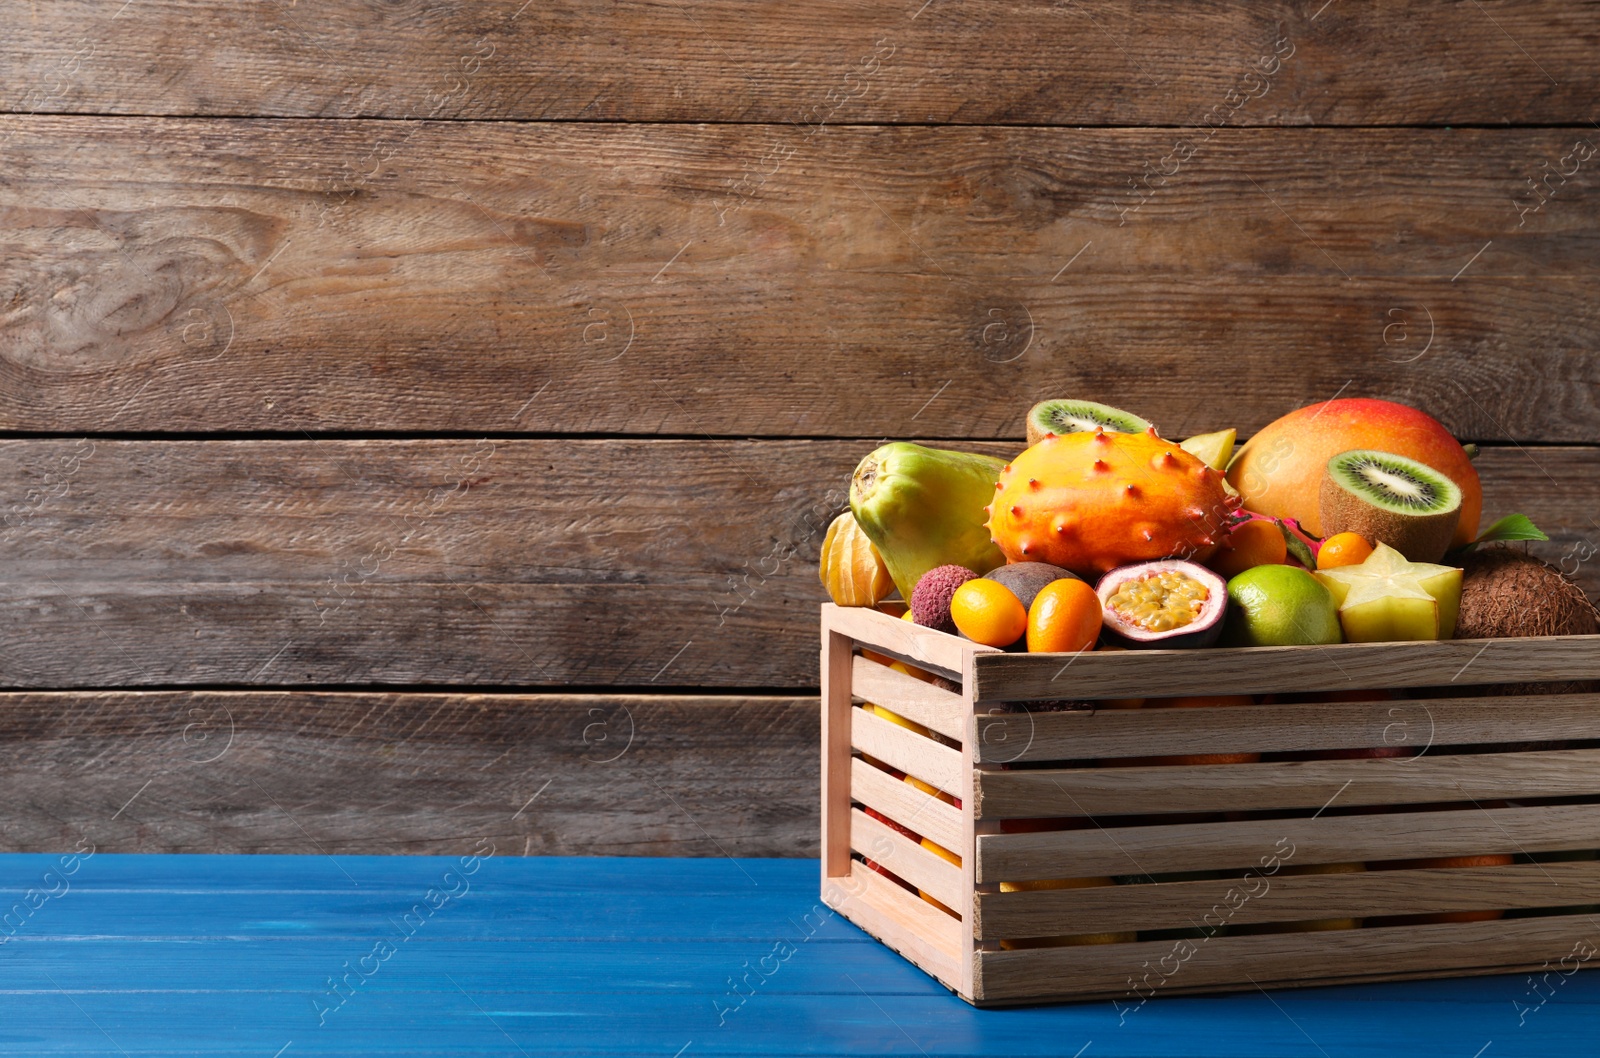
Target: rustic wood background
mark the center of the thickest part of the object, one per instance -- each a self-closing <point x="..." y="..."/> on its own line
<point x="419" y="419"/>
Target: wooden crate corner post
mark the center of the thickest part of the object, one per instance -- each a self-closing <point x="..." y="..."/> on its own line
<point x="837" y="650"/>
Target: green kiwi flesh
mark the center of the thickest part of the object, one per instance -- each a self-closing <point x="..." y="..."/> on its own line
<point x="1391" y="499"/>
<point x="1079" y="416"/>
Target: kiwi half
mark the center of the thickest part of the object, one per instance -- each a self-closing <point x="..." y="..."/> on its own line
<point x="1390" y="499"/>
<point x="1079" y="416"/>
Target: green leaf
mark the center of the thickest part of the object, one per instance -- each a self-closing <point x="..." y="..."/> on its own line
<point x="1511" y="527"/>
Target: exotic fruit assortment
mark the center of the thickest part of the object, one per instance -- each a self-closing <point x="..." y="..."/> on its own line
<point x="1347" y="521"/>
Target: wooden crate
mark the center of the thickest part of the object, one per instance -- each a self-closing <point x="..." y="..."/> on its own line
<point x="1211" y="859"/>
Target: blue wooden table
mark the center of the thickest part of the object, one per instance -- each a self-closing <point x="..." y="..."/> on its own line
<point x="293" y="955"/>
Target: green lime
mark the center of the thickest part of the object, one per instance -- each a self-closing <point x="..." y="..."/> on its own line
<point x="1279" y="606"/>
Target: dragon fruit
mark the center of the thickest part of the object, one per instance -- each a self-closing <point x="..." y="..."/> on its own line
<point x="1302" y="546"/>
<point x="1091" y="502"/>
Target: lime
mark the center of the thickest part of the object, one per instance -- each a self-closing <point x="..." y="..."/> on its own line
<point x="1279" y="606"/>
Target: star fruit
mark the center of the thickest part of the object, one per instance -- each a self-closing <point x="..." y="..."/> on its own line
<point x="1388" y="598"/>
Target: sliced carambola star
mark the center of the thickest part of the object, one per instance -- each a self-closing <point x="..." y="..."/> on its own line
<point x="1213" y="449"/>
<point x="1388" y="598"/>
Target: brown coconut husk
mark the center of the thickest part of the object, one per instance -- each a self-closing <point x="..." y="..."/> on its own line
<point x="1509" y="594"/>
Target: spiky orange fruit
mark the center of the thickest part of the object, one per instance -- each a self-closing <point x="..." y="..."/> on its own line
<point x="1090" y="502"/>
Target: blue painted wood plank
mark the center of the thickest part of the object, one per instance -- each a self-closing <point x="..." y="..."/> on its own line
<point x="547" y="967"/>
<point x="497" y="898"/>
<point x="144" y="955"/>
<point x="478" y="914"/>
<point x="460" y="1022"/>
<point x="582" y="874"/>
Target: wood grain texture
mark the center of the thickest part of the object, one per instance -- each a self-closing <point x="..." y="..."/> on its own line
<point x="1219" y="902"/>
<point x="913" y="754"/>
<point x="924" y="814"/>
<point x="1339" y="957"/>
<point x="312" y="773"/>
<point x="921" y="648"/>
<point x="924" y="869"/>
<point x="837" y="763"/>
<point x="645" y="564"/>
<point x="1268" y="670"/>
<point x="1290" y="784"/>
<point x="195" y="275"/>
<point x="929" y="938"/>
<point x="907" y="696"/>
<point x="1329" y="839"/>
<point x="968" y="849"/>
<point x="818" y="61"/>
<point x="1415" y="724"/>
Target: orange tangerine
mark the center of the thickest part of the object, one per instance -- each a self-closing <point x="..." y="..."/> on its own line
<point x="1343" y="549"/>
<point x="988" y="612"/>
<point x="1255" y="543"/>
<point x="1065" y="616"/>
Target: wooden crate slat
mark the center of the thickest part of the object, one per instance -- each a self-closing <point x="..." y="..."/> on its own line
<point x="904" y="921"/>
<point x="1262" y="670"/>
<point x="930" y="706"/>
<point x="914" y="754"/>
<point x="1282" y="897"/>
<point x="1326" y="839"/>
<point x="1110" y="970"/>
<point x="1287" y="784"/>
<point x="922" y="647"/>
<point x="907" y="805"/>
<point x="1412" y="723"/>
<point x="926" y="870"/>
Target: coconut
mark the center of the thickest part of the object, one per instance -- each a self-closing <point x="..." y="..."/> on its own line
<point x="1509" y="594"/>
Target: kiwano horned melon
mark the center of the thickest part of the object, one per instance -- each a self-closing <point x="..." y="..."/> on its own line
<point x="1094" y="501"/>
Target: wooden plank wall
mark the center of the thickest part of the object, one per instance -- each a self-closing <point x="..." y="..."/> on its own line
<point x="418" y="420"/>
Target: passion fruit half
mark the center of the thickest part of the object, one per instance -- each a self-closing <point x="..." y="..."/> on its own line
<point x="1169" y="604"/>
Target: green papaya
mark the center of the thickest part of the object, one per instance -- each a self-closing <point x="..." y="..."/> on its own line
<point x="926" y="507"/>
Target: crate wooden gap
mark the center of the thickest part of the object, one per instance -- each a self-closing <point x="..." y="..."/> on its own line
<point x="1215" y="865"/>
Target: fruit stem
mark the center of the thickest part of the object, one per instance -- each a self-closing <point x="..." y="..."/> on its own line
<point x="865" y="480"/>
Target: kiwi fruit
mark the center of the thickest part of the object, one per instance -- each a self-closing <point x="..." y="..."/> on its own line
<point x="1079" y="416"/>
<point x="1390" y="499"/>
